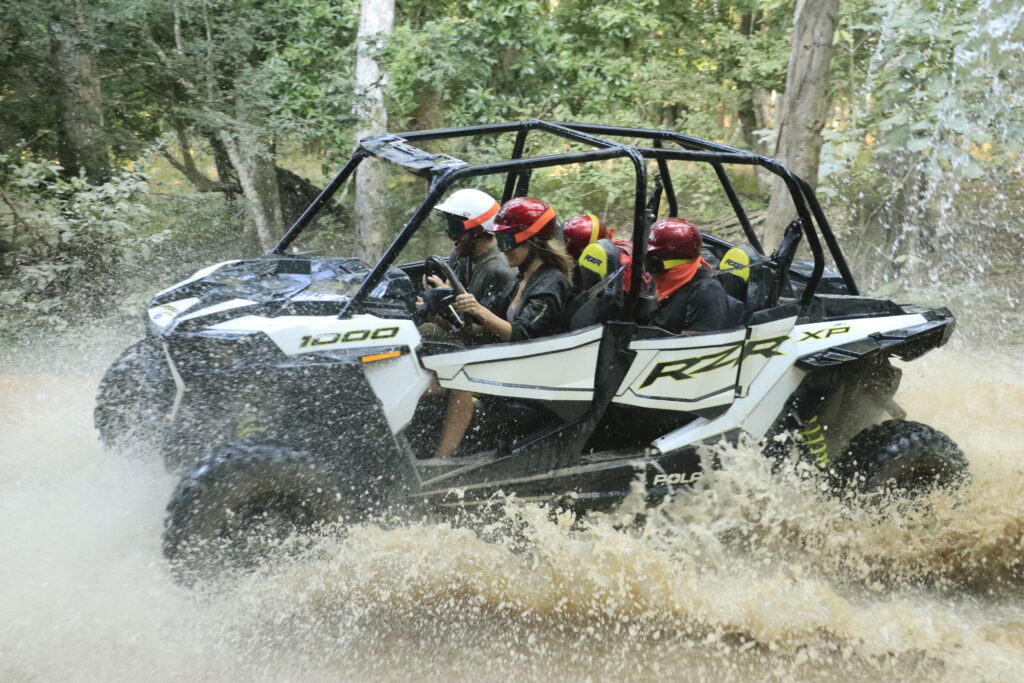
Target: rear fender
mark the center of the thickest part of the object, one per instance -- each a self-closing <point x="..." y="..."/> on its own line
<point x="907" y="343"/>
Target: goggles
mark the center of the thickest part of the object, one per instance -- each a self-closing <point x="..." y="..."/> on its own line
<point x="506" y="241"/>
<point x="656" y="265"/>
<point x="456" y="225"/>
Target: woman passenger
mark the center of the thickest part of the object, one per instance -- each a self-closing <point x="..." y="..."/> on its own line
<point x="531" y="306"/>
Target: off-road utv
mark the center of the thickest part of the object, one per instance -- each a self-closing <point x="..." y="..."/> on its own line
<point x="295" y="389"/>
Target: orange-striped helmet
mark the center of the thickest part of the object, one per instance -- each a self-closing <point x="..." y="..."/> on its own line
<point x="522" y="218"/>
<point x="468" y="209"/>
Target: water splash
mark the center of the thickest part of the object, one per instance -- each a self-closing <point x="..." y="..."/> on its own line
<point x="755" y="574"/>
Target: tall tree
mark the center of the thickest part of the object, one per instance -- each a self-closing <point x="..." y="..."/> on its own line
<point x="376" y="20"/>
<point x="82" y="140"/>
<point x="212" y="59"/>
<point x="804" y="107"/>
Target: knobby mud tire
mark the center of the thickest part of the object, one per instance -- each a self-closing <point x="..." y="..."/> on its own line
<point x="901" y="456"/>
<point x="134" y="397"/>
<point x="245" y="503"/>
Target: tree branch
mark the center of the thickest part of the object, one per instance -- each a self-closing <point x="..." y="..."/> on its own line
<point x="14" y="212"/>
<point x="179" y="43"/>
<point x="187" y="166"/>
<point x="165" y="60"/>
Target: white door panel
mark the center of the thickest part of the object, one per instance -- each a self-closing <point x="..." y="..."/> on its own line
<point x="559" y="368"/>
<point x="684" y="372"/>
<point x="762" y="345"/>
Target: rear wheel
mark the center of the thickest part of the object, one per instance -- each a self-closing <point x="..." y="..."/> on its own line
<point x="900" y="456"/>
<point x="244" y="504"/>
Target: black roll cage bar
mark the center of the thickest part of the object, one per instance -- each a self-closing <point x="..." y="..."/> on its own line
<point x="443" y="171"/>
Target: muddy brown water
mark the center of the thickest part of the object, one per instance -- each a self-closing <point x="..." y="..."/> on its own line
<point x="753" y="576"/>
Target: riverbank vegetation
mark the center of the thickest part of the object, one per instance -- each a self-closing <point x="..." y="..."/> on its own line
<point x="141" y="138"/>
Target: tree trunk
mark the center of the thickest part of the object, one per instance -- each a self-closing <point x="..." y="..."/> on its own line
<point x="257" y="176"/>
<point x="376" y="19"/>
<point x="187" y="165"/>
<point x="82" y="146"/>
<point x="804" y="107"/>
<point x="748" y="108"/>
<point x="221" y="160"/>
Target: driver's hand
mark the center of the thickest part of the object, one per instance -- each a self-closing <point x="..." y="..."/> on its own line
<point x="433" y="282"/>
<point x="468" y="305"/>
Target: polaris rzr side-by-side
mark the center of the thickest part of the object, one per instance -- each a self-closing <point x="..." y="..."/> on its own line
<point x="297" y="389"/>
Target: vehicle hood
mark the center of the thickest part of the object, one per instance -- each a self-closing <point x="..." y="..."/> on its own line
<point x="269" y="287"/>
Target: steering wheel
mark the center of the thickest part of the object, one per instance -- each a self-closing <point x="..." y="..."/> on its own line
<point x="440" y="303"/>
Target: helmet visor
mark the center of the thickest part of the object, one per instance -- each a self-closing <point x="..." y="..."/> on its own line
<point x="506" y="241"/>
<point x="456" y="225"/>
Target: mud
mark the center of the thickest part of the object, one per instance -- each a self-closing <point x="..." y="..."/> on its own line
<point x="754" y="575"/>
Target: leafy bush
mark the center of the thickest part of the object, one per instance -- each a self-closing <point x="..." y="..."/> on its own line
<point x="62" y="240"/>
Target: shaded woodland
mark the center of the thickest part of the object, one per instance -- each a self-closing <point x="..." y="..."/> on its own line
<point x="907" y="115"/>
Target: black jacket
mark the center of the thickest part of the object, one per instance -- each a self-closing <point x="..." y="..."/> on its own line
<point x="701" y="305"/>
<point x="541" y="306"/>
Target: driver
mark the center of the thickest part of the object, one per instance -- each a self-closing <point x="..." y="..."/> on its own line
<point x="690" y="297"/>
<point x="529" y="307"/>
<point x="475" y="258"/>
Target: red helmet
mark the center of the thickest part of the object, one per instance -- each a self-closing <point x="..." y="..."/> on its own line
<point x="579" y="231"/>
<point x="671" y="239"/>
<point x="520" y="219"/>
<point x="674" y="238"/>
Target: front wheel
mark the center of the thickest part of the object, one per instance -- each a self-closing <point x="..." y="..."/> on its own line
<point x="900" y="456"/>
<point x="134" y="397"/>
<point x="243" y="503"/>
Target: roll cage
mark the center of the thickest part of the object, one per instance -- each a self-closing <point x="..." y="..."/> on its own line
<point x="442" y="171"/>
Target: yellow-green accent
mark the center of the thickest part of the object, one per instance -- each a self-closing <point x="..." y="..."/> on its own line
<point x="736" y="262"/>
<point x="595" y="259"/>
<point x="814" y="441"/>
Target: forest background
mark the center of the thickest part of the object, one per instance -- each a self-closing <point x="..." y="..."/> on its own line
<point x="141" y="139"/>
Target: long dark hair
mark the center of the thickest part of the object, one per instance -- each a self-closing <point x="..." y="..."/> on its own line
<point x="552" y="252"/>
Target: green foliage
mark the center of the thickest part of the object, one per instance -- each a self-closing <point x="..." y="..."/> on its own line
<point x="310" y="73"/>
<point x="62" y="240"/>
<point x="934" y="114"/>
<point x="927" y="107"/>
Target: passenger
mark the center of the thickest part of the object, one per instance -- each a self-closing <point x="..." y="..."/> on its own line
<point x="580" y="231"/>
<point x="530" y="307"/>
<point x="475" y="257"/>
<point x="690" y="297"/>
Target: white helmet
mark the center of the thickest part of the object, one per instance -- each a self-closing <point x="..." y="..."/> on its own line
<point x="476" y="208"/>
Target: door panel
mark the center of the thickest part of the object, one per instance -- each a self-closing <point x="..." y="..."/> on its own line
<point x="684" y="372"/>
<point x="762" y="344"/>
<point x="558" y="368"/>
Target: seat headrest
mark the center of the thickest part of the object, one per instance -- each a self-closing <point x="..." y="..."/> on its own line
<point x="597" y="261"/>
<point x="737" y="262"/>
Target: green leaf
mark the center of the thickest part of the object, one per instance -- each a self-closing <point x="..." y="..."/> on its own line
<point x="919" y="144"/>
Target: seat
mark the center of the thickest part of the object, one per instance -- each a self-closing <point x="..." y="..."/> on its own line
<point x="599" y="280"/>
<point x="755" y="281"/>
<point x="734" y="270"/>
